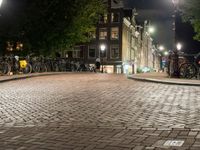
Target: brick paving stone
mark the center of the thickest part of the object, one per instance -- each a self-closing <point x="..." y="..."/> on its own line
<point x="139" y="148"/>
<point x="192" y="133"/>
<point x="174" y="134"/>
<point x="183" y="133"/>
<point x="198" y="136"/>
<point x="165" y="133"/>
<point x="189" y="142"/>
<point x="96" y="111"/>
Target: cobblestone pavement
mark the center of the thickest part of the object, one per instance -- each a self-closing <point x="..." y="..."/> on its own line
<point x="97" y="111"/>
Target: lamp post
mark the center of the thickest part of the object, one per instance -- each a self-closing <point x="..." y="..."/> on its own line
<point x="175" y="57"/>
<point x="102" y="48"/>
<point x="163" y="54"/>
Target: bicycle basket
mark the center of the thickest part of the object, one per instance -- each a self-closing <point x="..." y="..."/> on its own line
<point x="23" y="63"/>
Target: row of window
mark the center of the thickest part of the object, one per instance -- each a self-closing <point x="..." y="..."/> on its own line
<point x="115" y="18"/>
<point x="103" y="34"/>
<point x="114" y="52"/>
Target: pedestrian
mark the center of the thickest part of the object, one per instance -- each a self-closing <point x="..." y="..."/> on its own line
<point x="97" y="65"/>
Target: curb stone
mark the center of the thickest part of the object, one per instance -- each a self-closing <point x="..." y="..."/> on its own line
<point x="163" y="81"/>
<point x="31" y="76"/>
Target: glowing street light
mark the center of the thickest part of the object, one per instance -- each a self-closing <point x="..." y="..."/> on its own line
<point x="166" y="53"/>
<point x="1" y="2"/>
<point x="161" y="48"/>
<point x="102" y="47"/>
<point x="175" y="2"/>
<point x="151" y="29"/>
<point x="179" y="46"/>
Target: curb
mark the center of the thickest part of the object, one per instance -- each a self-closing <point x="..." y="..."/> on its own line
<point x="31" y="76"/>
<point x="163" y="81"/>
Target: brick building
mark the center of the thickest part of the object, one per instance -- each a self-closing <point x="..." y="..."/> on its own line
<point x="127" y="45"/>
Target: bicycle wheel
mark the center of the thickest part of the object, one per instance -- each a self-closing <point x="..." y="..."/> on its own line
<point x="49" y="68"/>
<point x="5" y="68"/>
<point x="36" y="67"/>
<point x="43" y="68"/>
<point x="28" y="69"/>
<point x="55" y="67"/>
<point x="182" y="70"/>
<point x="187" y="70"/>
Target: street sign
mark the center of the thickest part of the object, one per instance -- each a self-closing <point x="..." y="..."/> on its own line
<point x="174" y="143"/>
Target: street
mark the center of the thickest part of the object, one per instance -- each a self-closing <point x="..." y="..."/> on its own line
<point x="97" y="111"/>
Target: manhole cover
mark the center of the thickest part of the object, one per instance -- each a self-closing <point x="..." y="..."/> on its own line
<point x="174" y="143"/>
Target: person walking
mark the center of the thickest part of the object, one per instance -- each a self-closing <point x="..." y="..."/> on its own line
<point x="97" y="65"/>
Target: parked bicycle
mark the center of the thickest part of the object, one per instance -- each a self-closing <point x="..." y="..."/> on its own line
<point x="5" y="68"/>
<point x="38" y="64"/>
<point x="190" y="70"/>
<point x="31" y="63"/>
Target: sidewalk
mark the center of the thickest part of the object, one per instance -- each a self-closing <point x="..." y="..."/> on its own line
<point x="163" y="78"/>
<point x="25" y="76"/>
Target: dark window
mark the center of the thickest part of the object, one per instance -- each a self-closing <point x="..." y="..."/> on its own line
<point x="92" y="51"/>
<point x="115" y="51"/>
<point x="69" y="54"/>
<point x="115" y="17"/>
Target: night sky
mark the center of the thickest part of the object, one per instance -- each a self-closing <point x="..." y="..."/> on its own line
<point x="159" y="12"/>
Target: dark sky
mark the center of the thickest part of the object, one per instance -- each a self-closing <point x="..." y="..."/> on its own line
<point x="159" y="12"/>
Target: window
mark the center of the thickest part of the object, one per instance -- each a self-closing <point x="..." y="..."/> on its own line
<point x="115" y="33"/>
<point x="115" y="17"/>
<point x="92" y="35"/>
<point x="115" y="51"/>
<point x="103" y="18"/>
<point x="76" y="54"/>
<point x="103" y="33"/>
<point x="92" y="51"/>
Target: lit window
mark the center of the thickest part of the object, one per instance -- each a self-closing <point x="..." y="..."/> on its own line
<point x="114" y="51"/>
<point x="92" y="51"/>
<point x="115" y="33"/>
<point x="103" y="33"/>
<point x="115" y="17"/>
<point x="103" y="18"/>
<point x="92" y="35"/>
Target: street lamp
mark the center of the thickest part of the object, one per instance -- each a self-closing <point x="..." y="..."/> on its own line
<point x="161" y="48"/>
<point x="166" y="53"/>
<point x="151" y="29"/>
<point x="102" y="48"/>
<point x="179" y="46"/>
<point x="174" y="61"/>
<point x="1" y="2"/>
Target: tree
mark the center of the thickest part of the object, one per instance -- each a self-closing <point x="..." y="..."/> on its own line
<point x="50" y="25"/>
<point x="191" y="13"/>
<point x="62" y="23"/>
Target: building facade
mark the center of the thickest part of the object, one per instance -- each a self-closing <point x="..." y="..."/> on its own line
<point x="127" y="45"/>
